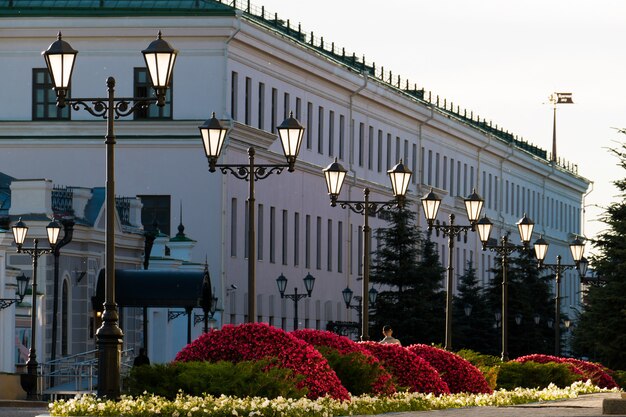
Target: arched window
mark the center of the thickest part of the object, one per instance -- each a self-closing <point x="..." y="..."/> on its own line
<point x="65" y="305"/>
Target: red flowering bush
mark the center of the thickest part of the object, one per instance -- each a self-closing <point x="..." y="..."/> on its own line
<point x="378" y="380"/>
<point x="408" y="369"/>
<point x="255" y="341"/>
<point x="458" y="373"/>
<point x="598" y="374"/>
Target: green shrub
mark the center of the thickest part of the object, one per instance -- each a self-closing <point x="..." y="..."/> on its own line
<point x="489" y="365"/>
<point x="248" y="378"/>
<point x="356" y="373"/>
<point x="534" y="375"/>
<point x="620" y="378"/>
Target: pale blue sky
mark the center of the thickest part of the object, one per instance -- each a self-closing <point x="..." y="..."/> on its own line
<point x="501" y="59"/>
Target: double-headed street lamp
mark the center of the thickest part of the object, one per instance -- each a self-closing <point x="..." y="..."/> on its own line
<point x="473" y="207"/>
<point x="504" y="250"/>
<point x="347" y="294"/>
<point x="281" y="283"/>
<point x="159" y="58"/>
<point x="213" y="135"/>
<point x="577" y="247"/>
<point x="22" y="285"/>
<point x="20" y="230"/>
<point x="400" y="177"/>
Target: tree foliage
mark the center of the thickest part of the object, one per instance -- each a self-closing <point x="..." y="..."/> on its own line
<point x="408" y="267"/>
<point x="601" y="331"/>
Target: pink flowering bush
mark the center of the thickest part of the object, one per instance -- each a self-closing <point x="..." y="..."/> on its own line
<point x="255" y="341"/>
<point x="380" y="381"/>
<point x="408" y="369"/>
<point x="458" y="373"/>
<point x="599" y="375"/>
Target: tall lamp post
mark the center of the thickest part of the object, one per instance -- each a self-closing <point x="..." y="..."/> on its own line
<point x="159" y="58"/>
<point x="22" y="285"/>
<point x="473" y="206"/>
<point x="577" y="247"/>
<point x="504" y="250"/>
<point x="400" y="177"/>
<point x="309" y="282"/>
<point x="213" y="136"/>
<point x="19" y="235"/>
<point x="347" y="298"/>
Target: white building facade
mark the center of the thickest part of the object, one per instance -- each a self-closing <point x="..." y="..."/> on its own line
<point x="252" y="71"/>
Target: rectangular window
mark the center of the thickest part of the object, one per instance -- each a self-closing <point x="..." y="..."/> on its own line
<point x="370" y="148"/>
<point x="307" y="241"/>
<point x="361" y="143"/>
<point x="422" y="166"/>
<point x="437" y="169"/>
<point x="485" y="191"/>
<point x="309" y="125"/>
<point x="506" y="196"/>
<point x="259" y="244"/>
<point x="233" y="227"/>
<point x="495" y="192"/>
<point x="320" y="130"/>
<point x="380" y="151"/>
<point x="490" y="188"/>
<point x="234" y="93"/>
<point x="318" y="244"/>
<point x="44" y="98"/>
<point x="464" y="179"/>
<point x="397" y="150"/>
<point x="248" y="101"/>
<point x="342" y="134"/>
<point x="298" y="109"/>
<point x="296" y="239"/>
<point x="329" y="249"/>
<point x="340" y="246"/>
<point x="285" y="237"/>
<point x="273" y="234"/>
<point x="452" y="176"/>
<point x="388" y="151"/>
<point x="444" y="183"/>
<point x="430" y="168"/>
<point x="261" y="121"/>
<point x="472" y="184"/>
<point x="286" y="106"/>
<point x="414" y="164"/>
<point x="143" y="88"/>
<point x="156" y="208"/>
<point x="458" y="178"/>
<point x="331" y="133"/>
<point x="274" y="114"/>
<point x="406" y="151"/>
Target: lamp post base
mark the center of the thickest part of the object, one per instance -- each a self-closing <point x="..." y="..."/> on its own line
<point x="109" y="341"/>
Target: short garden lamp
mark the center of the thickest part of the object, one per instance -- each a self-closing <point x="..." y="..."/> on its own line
<point x="281" y="283"/>
<point x="347" y="294"/>
<point x="536" y="318"/>
<point x="518" y="318"/>
<point x="467" y="310"/>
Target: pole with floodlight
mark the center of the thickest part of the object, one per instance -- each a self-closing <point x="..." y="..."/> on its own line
<point x="473" y="207"/>
<point x="400" y="177"/>
<point x="577" y="247"/>
<point x="20" y="230"/>
<point x="525" y="227"/>
<point x="213" y="135"/>
<point x="159" y="58"/>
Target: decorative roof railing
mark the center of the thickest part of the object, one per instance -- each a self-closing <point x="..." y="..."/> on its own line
<point x="286" y="28"/>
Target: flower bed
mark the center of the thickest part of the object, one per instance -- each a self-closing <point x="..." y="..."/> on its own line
<point x="254" y="341"/>
<point x="187" y="406"/>
<point x="408" y="369"/>
<point x="383" y="385"/>
<point x="458" y="373"/>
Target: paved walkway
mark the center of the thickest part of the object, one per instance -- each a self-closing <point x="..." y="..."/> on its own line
<point x="584" y="406"/>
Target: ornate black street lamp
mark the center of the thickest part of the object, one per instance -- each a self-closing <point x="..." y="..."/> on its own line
<point x="281" y="283"/>
<point x="159" y="58"/>
<point x="504" y="250"/>
<point x="20" y="231"/>
<point x="347" y="294"/>
<point x="577" y="247"/>
<point x="213" y="136"/>
<point x="400" y="177"/>
<point x="473" y="207"/>
<point x="22" y="285"/>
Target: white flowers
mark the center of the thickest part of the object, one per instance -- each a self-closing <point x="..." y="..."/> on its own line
<point x="223" y="406"/>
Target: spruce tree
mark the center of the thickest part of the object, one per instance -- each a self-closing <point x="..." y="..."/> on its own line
<point x="408" y="269"/>
<point x="601" y="330"/>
